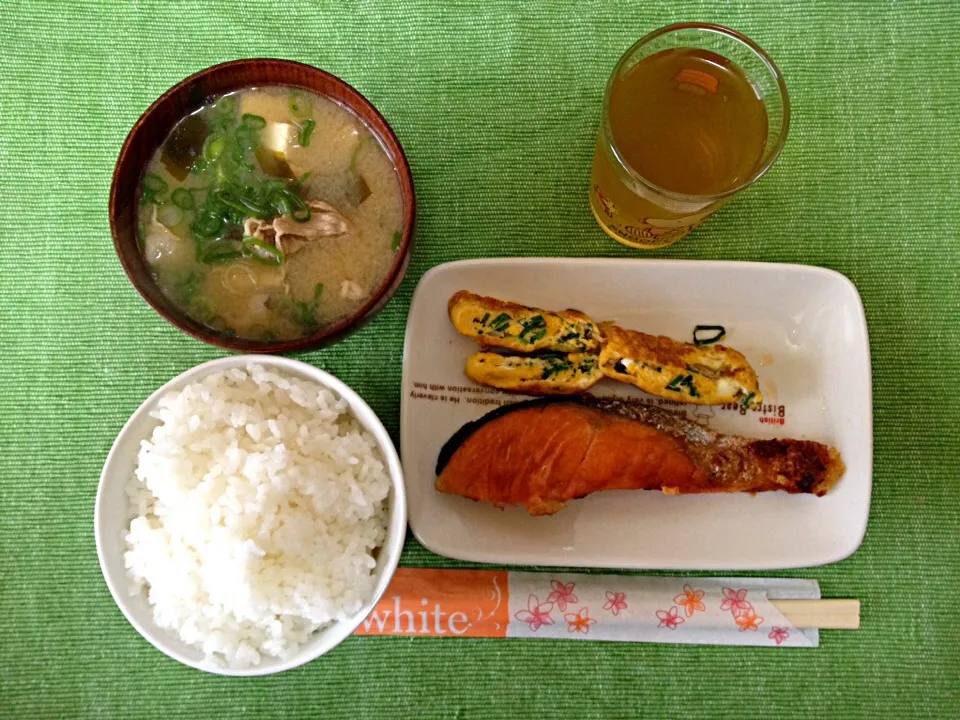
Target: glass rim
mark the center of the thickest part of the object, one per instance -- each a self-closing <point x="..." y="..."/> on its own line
<point x="734" y="35"/>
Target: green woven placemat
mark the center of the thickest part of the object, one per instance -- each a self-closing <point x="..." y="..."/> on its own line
<point x="496" y="104"/>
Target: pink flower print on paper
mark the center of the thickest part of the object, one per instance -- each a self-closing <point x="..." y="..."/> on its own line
<point x="536" y="615"/>
<point x="616" y="601"/>
<point x="579" y="622"/>
<point x="735" y="601"/>
<point x="779" y="634"/>
<point x="669" y="618"/>
<point x="562" y="595"/>
<point x="691" y="600"/>
<point x="748" y="620"/>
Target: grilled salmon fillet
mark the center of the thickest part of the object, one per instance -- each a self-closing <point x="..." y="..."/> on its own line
<point x="543" y="453"/>
<point x="552" y="374"/>
<point x="661" y="366"/>
<point x="496" y="323"/>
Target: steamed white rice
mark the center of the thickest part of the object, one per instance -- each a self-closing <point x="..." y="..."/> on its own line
<point x="256" y="505"/>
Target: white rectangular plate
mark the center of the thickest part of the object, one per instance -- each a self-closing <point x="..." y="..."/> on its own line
<point x="802" y="328"/>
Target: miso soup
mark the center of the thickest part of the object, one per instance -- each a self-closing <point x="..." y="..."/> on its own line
<point x="270" y="213"/>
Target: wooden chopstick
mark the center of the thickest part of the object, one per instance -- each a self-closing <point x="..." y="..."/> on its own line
<point x="823" y="614"/>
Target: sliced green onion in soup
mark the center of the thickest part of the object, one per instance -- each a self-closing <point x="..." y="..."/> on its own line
<point x="214" y="146"/>
<point x="305" y="132"/>
<point x="305" y="314"/>
<point x="182" y="198"/>
<point x="258" y="209"/>
<point x="218" y="252"/>
<point x="226" y="105"/>
<point x="257" y="122"/>
<point x="300" y="105"/>
<point x="262" y="251"/>
<point x="247" y="137"/>
<point x="396" y="240"/>
<point x="169" y="215"/>
<point x="229" y="198"/>
<point x="221" y="174"/>
<point x="154" y="183"/>
<point x="281" y="203"/>
<point x="206" y="225"/>
<point x="299" y="210"/>
<point x="222" y="124"/>
<point x="272" y="185"/>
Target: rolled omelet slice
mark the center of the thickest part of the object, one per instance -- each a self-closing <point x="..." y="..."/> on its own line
<point x="496" y="323"/>
<point x="664" y="367"/>
<point x="553" y="374"/>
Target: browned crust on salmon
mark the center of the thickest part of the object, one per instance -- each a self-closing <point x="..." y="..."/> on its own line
<point x="543" y="453"/>
<point x="736" y="463"/>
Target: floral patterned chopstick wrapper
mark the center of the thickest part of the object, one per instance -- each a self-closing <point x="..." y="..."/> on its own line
<point x="499" y="603"/>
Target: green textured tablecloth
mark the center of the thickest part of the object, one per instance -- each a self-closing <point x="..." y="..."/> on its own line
<point x="496" y="104"/>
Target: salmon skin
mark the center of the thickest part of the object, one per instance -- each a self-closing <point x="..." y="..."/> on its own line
<point x="543" y="453"/>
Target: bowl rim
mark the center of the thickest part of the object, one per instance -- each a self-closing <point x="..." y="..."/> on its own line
<point x="390" y="549"/>
<point x="385" y="136"/>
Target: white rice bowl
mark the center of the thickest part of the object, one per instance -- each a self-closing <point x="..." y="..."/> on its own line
<point x="258" y="503"/>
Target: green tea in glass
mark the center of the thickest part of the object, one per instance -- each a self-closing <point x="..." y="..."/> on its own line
<point x="692" y="114"/>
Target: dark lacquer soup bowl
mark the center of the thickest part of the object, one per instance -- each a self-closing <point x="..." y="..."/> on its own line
<point x="156" y="124"/>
